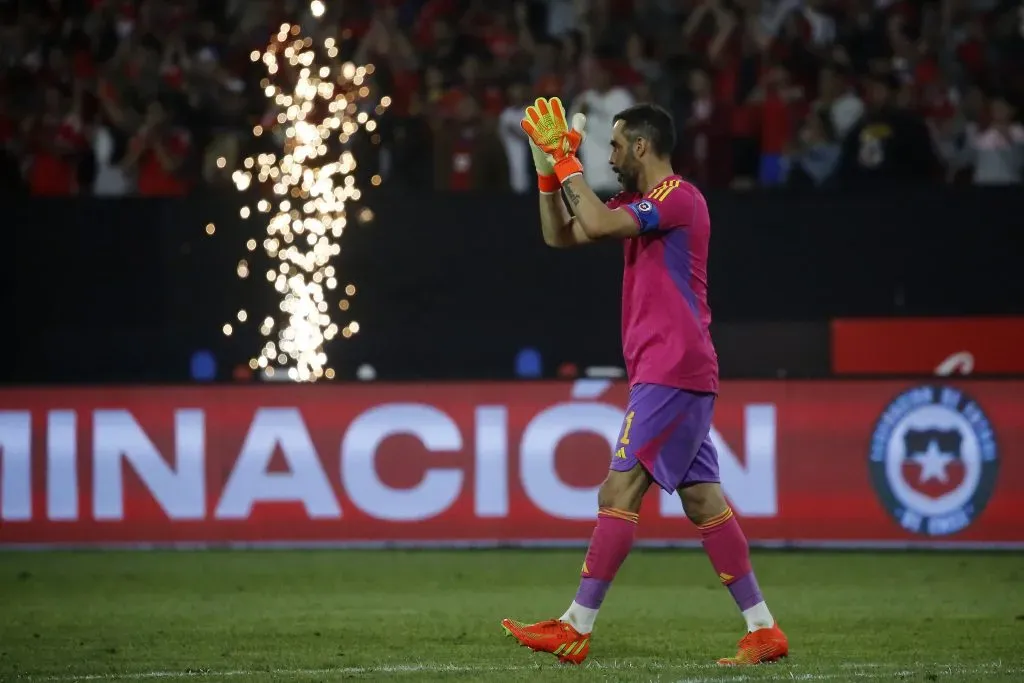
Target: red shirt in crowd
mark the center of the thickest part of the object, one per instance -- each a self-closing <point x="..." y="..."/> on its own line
<point x="154" y="180"/>
<point x="53" y="170"/>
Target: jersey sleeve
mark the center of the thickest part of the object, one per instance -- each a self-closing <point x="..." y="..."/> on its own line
<point x="665" y="207"/>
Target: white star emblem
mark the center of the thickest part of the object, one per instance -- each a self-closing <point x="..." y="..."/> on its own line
<point x="933" y="463"/>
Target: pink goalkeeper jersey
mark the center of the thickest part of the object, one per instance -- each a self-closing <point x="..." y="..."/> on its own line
<point x="665" y="313"/>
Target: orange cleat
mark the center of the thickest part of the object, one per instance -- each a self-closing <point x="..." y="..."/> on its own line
<point x="556" y="637"/>
<point x="762" y="646"/>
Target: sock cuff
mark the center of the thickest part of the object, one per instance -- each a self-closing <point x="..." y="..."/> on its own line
<point x="616" y="513"/>
<point x="716" y="521"/>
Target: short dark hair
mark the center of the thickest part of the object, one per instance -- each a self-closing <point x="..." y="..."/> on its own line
<point x="652" y="123"/>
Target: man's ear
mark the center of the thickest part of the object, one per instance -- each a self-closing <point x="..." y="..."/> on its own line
<point x="640" y="147"/>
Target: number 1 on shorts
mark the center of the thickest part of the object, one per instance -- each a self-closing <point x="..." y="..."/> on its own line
<point x="629" y="423"/>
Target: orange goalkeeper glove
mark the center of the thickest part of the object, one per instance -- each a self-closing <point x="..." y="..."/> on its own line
<point x="552" y="140"/>
<point x="547" y="181"/>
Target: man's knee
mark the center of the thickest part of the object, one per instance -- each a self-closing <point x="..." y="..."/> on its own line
<point x="703" y="502"/>
<point x="624" y="490"/>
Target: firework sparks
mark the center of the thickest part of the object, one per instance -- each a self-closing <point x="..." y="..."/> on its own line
<point x="305" y="190"/>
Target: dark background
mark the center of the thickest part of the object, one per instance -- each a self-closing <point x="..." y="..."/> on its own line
<point x="452" y="286"/>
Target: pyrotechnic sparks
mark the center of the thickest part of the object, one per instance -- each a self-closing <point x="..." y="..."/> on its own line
<point x="304" y="190"/>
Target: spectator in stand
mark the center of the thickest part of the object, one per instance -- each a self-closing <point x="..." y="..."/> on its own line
<point x="548" y="76"/>
<point x="600" y="103"/>
<point x="890" y="145"/>
<point x="159" y="152"/>
<point x="111" y="177"/>
<point x="812" y="159"/>
<point x="57" y="144"/>
<point x="563" y="17"/>
<point x="838" y="99"/>
<point x="732" y="42"/>
<point x="640" y="58"/>
<point x="517" y="150"/>
<point x="782" y="107"/>
<point x="78" y="77"/>
<point x="700" y="127"/>
<point x="996" y="152"/>
<point x="468" y="152"/>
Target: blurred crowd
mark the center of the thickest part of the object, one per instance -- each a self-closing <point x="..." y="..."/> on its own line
<point x="160" y="97"/>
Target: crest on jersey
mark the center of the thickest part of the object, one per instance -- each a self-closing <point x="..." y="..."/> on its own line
<point x="934" y="460"/>
<point x="645" y="206"/>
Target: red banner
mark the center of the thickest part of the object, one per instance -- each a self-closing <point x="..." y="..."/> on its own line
<point x="928" y="346"/>
<point x="808" y="462"/>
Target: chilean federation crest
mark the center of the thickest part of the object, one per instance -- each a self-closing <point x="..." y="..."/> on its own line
<point x="934" y="460"/>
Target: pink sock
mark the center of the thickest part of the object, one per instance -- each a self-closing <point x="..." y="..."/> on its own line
<point x="727" y="548"/>
<point x="609" y="546"/>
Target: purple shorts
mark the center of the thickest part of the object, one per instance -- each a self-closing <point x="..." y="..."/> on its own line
<point x="668" y="431"/>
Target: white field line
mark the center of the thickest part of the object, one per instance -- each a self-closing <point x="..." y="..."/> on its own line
<point x="859" y="671"/>
<point x="868" y="671"/>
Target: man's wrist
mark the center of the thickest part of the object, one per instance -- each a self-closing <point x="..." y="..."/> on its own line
<point x="548" y="183"/>
<point x="567" y="167"/>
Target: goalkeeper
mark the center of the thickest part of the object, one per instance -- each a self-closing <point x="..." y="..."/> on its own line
<point x="670" y="359"/>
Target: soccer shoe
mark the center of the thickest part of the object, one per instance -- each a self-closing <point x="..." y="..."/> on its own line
<point x="762" y="646"/>
<point x="556" y="637"/>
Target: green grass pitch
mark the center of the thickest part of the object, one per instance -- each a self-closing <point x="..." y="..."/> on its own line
<point x="433" y="616"/>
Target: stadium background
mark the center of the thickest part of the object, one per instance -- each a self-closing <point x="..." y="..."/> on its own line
<point x="863" y="163"/>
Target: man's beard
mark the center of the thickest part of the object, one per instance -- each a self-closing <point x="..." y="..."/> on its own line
<point x="627" y="180"/>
